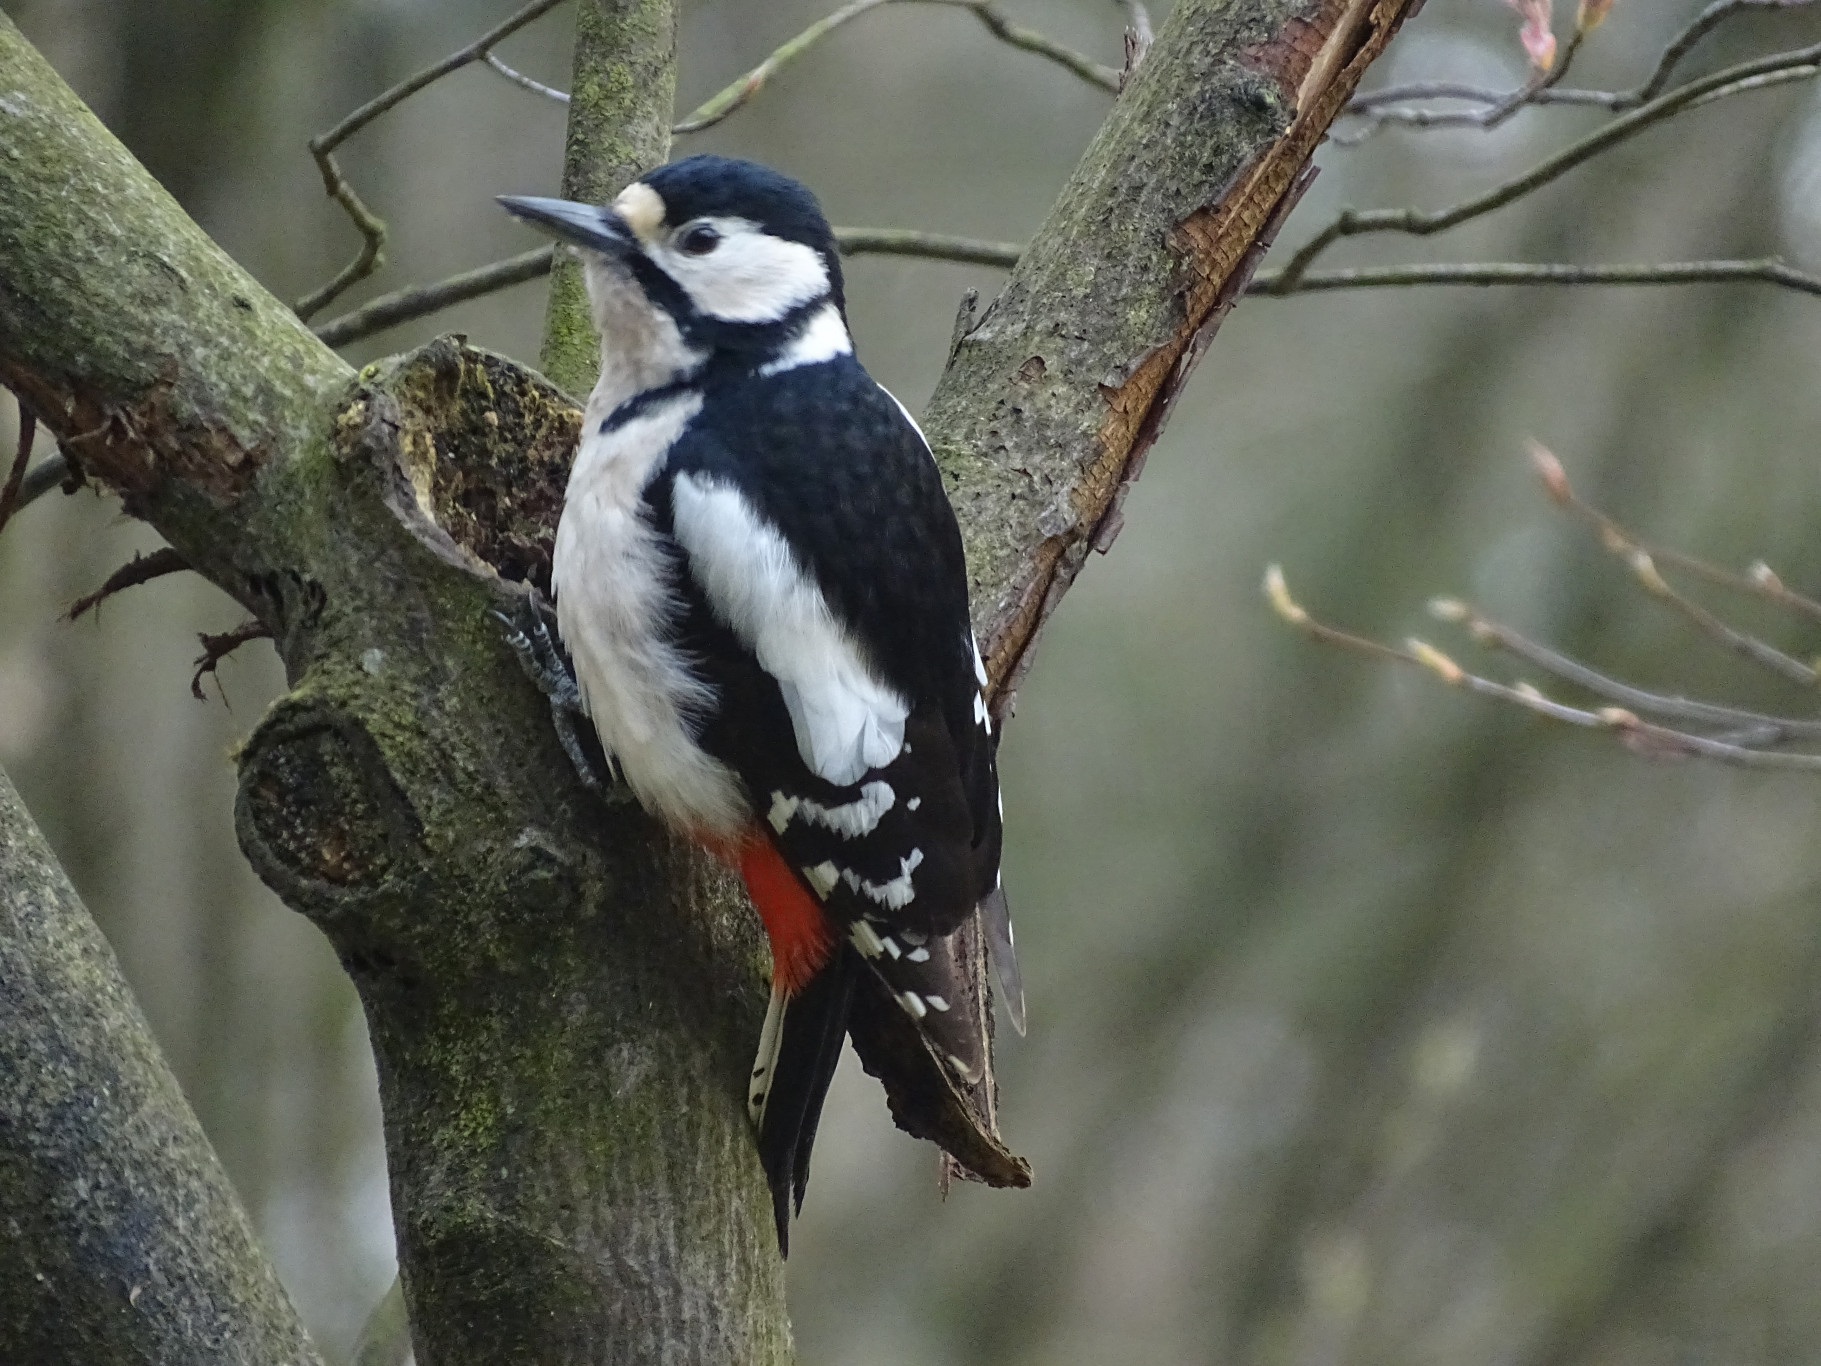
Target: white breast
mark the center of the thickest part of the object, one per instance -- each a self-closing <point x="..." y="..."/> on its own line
<point x="616" y="606"/>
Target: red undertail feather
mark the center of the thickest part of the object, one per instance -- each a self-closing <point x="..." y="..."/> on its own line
<point x="801" y="940"/>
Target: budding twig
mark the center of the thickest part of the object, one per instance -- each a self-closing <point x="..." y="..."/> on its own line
<point x="1760" y="581"/>
<point x="1638" y="735"/>
<point x="1800" y="63"/>
<point x="1766" y="730"/>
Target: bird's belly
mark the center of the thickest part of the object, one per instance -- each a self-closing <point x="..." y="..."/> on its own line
<point x="616" y="609"/>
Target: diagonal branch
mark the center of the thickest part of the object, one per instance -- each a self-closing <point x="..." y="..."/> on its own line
<point x="1801" y="63"/>
<point x="1380" y="104"/>
<point x="736" y="94"/>
<point x="405" y="305"/>
<point x="1638" y="735"/>
<point x="372" y="228"/>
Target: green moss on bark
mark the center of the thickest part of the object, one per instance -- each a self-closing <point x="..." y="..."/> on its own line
<point x="620" y="110"/>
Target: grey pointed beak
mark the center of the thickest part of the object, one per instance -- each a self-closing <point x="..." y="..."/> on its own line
<point x="586" y="225"/>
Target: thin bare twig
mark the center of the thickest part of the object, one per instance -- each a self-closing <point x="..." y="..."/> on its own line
<point x="1636" y="734"/>
<point x="9" y="492"/>
<point x="1495" y="113"/>
<point x="1376" y="103"/>
<point x="1698" y="28"/>
<point x="41" y="479"/>
<point x="1352" y="223"/>
<point x="1766" y="270"/>
<point x="519" y="78"/>
<point x="141" y="569"/>
<point x="1759" y="582"/>
<point x="932" y="246"/>
<point x="1766" y="729"/>
<point x="734" y="95"/>
<point x="406" y="305"/>
<point x="372" y="228"/>
<point x="216" y="648"/>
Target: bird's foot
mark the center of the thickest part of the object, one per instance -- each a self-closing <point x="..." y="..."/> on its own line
<point x="531" y="632"/>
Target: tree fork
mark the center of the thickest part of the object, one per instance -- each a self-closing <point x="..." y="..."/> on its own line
<point x="562" y="1003"/>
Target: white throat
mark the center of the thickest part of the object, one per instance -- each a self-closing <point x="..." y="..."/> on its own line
<point x="641" y="347"/>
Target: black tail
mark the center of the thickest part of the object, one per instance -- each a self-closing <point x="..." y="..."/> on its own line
<point x="815" y="1026"/>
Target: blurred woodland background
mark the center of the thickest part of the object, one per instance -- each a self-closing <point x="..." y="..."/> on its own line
<point x="1371" y="1022"/>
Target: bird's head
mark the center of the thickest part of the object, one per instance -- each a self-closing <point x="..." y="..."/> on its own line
<point x="736" y="256"/>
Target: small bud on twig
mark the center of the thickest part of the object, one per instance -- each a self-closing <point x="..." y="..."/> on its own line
<point x="1764" y="576"/>
<point x="1550" y="471"/>
<point x="1590" y="15"/>
<point x="1278" y="592"/>
<point x="1536" y="35"/>
<point x="1430" y="657"/>
<point x="1646" y="570"/>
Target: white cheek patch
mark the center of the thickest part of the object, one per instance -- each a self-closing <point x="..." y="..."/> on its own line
<point x="751" y="277"/>
<point x="845" y="720"/>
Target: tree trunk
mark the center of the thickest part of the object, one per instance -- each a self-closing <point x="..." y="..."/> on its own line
<point x="562" y="1001"/>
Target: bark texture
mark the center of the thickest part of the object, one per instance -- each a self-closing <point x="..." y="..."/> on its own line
<point x="121" y="1240"/>
<point x="562" y="1003"/>
<point x="1053" y="397"/>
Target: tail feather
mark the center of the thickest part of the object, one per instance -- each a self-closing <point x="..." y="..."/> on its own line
<point x="812" y="1024"/>
<point x="996" y="918"/>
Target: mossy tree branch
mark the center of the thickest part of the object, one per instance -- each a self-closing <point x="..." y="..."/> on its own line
<point x="620" y="106"/>
<point x="95" y="1137"/>
<point x="562" y="1002"/>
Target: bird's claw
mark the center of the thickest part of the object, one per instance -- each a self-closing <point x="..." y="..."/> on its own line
<point x="530" y="635"/>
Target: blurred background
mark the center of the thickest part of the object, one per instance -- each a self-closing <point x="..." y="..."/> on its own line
<point x="1370" y="1022"/>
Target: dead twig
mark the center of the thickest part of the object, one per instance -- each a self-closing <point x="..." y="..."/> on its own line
<point x="9" y="492"/>
<point x="141" y="569"/>
<point x="216" y="648"/>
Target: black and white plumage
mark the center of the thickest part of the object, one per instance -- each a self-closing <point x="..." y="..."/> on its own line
<point x="760" y="582"/>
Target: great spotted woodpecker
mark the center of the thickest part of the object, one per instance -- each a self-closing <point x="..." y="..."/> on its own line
<point x="760" y="583"/>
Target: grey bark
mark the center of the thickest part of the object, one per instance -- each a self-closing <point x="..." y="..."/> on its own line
<point x="121" y="1240"/>
<point x="561" y="1000"/>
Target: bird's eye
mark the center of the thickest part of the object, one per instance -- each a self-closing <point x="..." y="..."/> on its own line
<point x="699" y="240"/>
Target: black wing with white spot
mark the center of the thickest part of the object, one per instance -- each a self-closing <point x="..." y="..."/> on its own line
<point x="825" y="600"/>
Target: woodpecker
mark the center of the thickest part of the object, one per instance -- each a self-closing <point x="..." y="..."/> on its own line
<point x="759" y="583"/>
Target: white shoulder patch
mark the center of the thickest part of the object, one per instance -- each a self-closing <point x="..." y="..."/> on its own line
<point x="845" y="719"/>
<point x="823" y="338"/>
